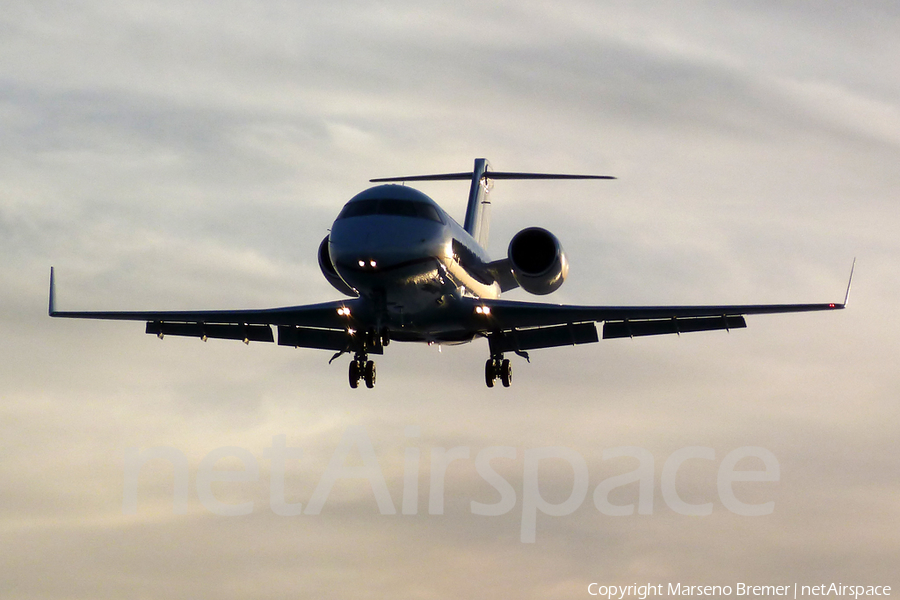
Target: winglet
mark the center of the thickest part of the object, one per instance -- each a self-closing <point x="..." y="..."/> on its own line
<point x="849" y="283"/>
<point x="52" y="308"/>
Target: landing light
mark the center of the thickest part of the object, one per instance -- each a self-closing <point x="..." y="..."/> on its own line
<point x="343" y="311"/>
<point x="372" y="263"/>
<point x="362" y="263"/>
<point x="483" y="310"/>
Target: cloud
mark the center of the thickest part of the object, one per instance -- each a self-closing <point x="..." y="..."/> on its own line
<point x="182" y="155"/>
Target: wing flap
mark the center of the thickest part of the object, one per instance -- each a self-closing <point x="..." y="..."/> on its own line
<point x="543" y="337"/>
<point x="224" y="331"/>
<point x="627" y="328"/>
<point x="307" y="337"/>
<point x="321" y="339"/>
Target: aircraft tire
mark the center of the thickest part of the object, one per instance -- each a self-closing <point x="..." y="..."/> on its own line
<point x="490" y="373"/>
<point x="506" y="372"/>
<point x="354" y="374"/>
<point x="370" y="374"/>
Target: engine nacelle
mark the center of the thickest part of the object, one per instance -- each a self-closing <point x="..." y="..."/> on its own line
<point x="537" y="260"/>
<point x="330" y="273"/>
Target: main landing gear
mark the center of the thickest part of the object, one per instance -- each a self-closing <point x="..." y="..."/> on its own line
<point x="495" y="368"/>
<point x="362" y="368"/>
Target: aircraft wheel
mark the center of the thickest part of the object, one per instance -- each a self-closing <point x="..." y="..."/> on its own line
<point x="490" y="372"/>
<point x="506" y="372"/>
<point x="354" y="374"/>
<point x="370" y="374"/>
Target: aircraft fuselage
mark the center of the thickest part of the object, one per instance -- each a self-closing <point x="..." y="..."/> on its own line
<point x="410" y="261"/>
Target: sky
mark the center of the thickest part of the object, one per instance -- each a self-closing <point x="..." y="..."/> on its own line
<point x="192" y="155"/>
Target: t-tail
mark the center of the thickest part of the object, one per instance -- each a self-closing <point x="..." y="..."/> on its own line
<point x="478" y="209"/>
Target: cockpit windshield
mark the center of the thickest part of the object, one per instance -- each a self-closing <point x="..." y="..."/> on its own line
<point x="390" y="206"/>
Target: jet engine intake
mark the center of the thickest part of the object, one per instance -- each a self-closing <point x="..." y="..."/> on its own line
<point x="330" y="273"/>
<point x="538" y="261"/>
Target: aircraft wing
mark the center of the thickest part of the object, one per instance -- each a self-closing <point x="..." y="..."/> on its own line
<point x="322" y="325"/>
<point x="312" y="315"/>
<point x="636" y="320"/>
<point x="519" y="326"/>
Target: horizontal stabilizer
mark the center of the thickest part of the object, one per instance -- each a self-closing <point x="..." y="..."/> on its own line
<point x="489" y="175"/>
<point x="501" y="175"/>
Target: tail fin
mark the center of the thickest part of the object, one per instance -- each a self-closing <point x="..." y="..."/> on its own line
<point x="478" y="211"/>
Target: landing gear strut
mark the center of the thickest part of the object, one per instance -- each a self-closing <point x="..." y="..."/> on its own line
<point x="495" y="368"/>
<point x="378" y="339"/>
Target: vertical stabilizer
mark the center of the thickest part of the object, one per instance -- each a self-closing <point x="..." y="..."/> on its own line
<point x="478" y="211"/>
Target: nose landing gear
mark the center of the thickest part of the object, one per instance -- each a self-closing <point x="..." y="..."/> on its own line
<point x="500" y="368"/>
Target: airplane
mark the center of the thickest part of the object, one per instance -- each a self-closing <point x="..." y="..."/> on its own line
<point x="411" y="273"/>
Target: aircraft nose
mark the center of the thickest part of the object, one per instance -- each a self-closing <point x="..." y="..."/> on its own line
<point x="381" y="242"/>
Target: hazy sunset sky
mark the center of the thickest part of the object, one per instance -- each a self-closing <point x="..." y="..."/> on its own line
<point x="192" y="155"/>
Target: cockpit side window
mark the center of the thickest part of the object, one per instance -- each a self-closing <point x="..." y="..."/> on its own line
<point x="428" y="211"/>
<point x="391" y="206"/>
<point x="359" y="208"/>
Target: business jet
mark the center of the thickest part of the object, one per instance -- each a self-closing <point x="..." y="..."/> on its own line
<point x="413" y="274"/>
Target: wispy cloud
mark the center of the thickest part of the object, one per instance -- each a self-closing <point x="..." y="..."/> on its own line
<point x="189" y="155"/>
